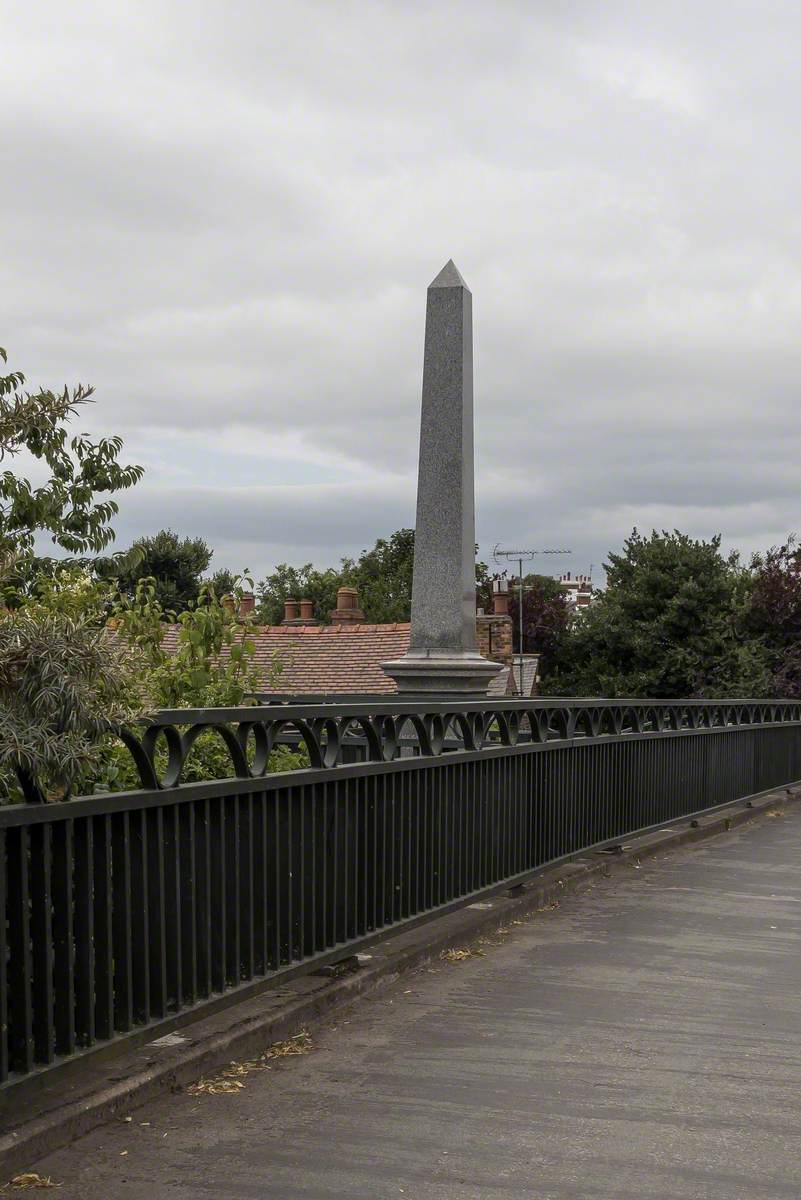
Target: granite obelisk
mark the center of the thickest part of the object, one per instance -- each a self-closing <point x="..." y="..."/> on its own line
<point x="442" y="655"/>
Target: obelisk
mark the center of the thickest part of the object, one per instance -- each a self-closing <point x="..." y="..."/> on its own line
<point x="442" y="654"/>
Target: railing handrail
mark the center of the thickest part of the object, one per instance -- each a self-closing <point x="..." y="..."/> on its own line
<point x="379" y="704"/>
<point x="427" y="726"/>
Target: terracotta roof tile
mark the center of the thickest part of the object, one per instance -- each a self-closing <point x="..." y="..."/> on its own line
<point x="323" y="658"/>
<point x="331" y="658"/>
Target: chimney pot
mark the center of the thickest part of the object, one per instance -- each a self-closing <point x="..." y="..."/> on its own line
<point x="290" y="609"/>
<point x="247" y="604"/>
<point x="228" y="603"/>
<point x="307" y="610"/>
<point x="347" y="611"/>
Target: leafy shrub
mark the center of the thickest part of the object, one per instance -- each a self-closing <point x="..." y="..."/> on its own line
<point x="61" y="684"/>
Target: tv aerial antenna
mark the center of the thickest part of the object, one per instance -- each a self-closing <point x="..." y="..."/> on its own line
<point x="499" y="555"/>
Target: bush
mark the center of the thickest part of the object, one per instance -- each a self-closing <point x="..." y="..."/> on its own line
<point x="62" y="684"/>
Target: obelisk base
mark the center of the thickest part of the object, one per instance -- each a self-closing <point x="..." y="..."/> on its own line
<point x="428" y="672"/>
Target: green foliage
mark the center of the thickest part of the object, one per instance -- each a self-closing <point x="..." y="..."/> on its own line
<point x="223" y="582"/>
<point x="66" y="505"/>
<point x="667" y="625"/>
<point x="772" y="614"/>
<point x="61" y="684"/>
<point x="174" y="563"/>
<point x="214" y="661"/>
<point x="213" y="666"/>
<point x="383" y="576"/>
<point x="72" y="589"/>
<point x="298" y="583"/>
<point x="546" y="616"/>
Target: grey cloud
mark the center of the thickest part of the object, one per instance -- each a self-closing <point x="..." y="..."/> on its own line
<point x="225" y="222"/>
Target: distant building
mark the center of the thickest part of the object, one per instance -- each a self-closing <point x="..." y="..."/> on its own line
<point x="578" y="589"/>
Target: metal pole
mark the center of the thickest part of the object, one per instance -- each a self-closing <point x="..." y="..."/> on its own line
<point x="520" y="621"/>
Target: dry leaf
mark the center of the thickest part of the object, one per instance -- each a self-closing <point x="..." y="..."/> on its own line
<point x="228" y="1082"/>
<point x="455" y="956"/>
<point x="30" y="1180"/>
<point x="299" y="1044"/>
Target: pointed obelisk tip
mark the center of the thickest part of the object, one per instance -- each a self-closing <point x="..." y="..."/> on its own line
<point x="449" y="277"/>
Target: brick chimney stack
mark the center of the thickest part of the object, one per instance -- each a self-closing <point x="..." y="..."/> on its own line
<point x="347" y="611"/>
<point x="500" y="604"/>
<point x="494" y="631"/>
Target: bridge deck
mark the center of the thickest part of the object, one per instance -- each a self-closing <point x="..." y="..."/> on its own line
<point x="644" y="1040"/>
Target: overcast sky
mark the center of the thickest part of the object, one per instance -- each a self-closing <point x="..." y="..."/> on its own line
<point x="224" y="215"/>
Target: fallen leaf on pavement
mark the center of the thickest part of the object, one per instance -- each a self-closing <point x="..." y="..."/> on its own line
<point x="455" y="955"/>
<point x="228" y="1082"/>
<point x="30" y="1180"/>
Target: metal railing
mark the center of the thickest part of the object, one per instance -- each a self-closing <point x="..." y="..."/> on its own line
<point x="131" y="913"/>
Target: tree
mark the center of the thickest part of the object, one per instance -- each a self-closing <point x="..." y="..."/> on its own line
<point x="546" y="616"/>
<point x="175" y="563"/>
<point x="667" y="625"/>
<point x="772" y="614"/>
<point x="222" y="582"/>
<point x="383" y="576"/>
<point x="62" y="684"/>
<point x="298" y="583"/>
<point x="213" y="665"/>
<point x="65" y="506"/>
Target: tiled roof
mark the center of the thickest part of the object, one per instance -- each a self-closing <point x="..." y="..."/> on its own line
<point x="329" y="658"/>
<point x="323" y="658"/>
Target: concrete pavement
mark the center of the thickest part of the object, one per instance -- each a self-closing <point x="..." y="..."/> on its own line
<point x="642" y="1040"/>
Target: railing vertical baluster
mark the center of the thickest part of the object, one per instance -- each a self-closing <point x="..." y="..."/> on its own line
<point x="394" y="851"/>
<point x="20" y="966"/>
<point x="377" y="812"/>
<point x="290" y="876"/>
<point x="154" y="834"/>
<point x="104" y="937"/>
<point x="233" y="970"/>
<point x="3" y="960"/>
<point x="246" y="947"/>
<point x="259" y="861"/>
<point x="345" y="862"/>
<point x="334" y="800"/>
<point x="187" y="888"/>
<point x="44" y="1035"/>
<point x="204" y="887"/>
<point x="361" y="857"/>
<point x="173" y="923"/>
<point x="218" y="893"/>
<point x="84" y="933"/>
<point x="273" y="874"/>
<point x="122" y="927"/>
<point x="324" y="807"/>
<point x="299" y="872"/>
<point x="63" y="936"/>
<point x="408" y="793"/>
<point x="140" y="917"/>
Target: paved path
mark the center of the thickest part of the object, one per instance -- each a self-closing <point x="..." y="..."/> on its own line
<point x="644" y="1040"/>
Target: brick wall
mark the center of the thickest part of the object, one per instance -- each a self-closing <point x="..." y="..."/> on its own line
<point x="494" y="636"/>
